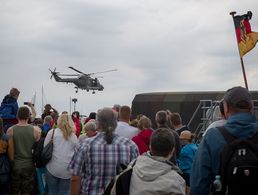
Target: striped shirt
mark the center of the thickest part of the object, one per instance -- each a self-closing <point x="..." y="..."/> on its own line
<point x="96" y="161"/>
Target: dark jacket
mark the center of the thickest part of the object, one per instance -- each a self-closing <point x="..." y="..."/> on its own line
<point x="9" y="107"/>
<point x="207" y="161"/>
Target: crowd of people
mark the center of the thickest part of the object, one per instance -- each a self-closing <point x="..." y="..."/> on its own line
<point x="88" y="154"/>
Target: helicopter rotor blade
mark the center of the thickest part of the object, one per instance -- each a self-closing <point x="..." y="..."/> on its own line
<point x="69" y="75"/>
<point x="75" y="70"/>
<point x="102" y="72"/>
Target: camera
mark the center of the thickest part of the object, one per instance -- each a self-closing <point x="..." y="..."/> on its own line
<point x="28" y="103"/>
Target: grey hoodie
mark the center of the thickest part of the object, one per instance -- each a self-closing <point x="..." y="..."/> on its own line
<point x="154" y="175"/>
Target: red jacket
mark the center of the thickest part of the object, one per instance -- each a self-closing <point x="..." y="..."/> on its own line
<point x="78" y="126"/>
<point x="142" y="140"/>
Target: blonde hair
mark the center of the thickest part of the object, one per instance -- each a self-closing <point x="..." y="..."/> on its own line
<point x="144" y="123"/>
<point x="90" y="126"/>
<point x="66" y="124"/>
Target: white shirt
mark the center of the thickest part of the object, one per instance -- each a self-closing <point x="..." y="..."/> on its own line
<point x="62" y="153"/>
<point x="125" y="130"/>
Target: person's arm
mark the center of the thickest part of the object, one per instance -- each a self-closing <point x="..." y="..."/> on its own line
<point x="15" y="108"/>
<point x="10" y="143"/>
<point x="54" y="110"/>
<point x="200" y="176"/>
<point x="33" y="112"/>
<point x="48" y="137"/>
<point x="75" y="185"/>
<point x="36" y="133"/>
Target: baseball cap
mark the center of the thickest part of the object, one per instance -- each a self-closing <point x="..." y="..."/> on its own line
<point x="238" y="97"/>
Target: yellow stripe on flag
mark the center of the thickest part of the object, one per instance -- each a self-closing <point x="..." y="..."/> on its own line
<point x="248" y="44"/>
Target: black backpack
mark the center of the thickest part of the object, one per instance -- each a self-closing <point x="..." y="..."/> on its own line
<point x="120" y="185"/>
<point x="37" y="149"/>
<point x="239" y="165"/>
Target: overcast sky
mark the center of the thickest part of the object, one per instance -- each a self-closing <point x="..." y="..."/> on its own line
<point x="156" y="45"/>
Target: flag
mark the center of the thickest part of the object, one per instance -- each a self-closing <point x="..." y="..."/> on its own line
<point x="246" y="38"/>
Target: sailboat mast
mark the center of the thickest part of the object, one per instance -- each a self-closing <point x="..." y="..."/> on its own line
<point x="42" y="103"/>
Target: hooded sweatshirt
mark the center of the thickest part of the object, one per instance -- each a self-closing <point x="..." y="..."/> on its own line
<point x="206" y="162"/>
<point x="154" y="175"/>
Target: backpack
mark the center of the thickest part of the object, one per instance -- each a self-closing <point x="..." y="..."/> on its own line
<point x="41" y="155"/>
<point x="37" y="149"/>
<point x="239" y="165"/>
<point x="121" y="183"/>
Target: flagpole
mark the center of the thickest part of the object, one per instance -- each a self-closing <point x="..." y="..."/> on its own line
<point x="241" y="59"/>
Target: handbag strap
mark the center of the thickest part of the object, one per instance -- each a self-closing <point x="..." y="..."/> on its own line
<point x="52" y="134"/>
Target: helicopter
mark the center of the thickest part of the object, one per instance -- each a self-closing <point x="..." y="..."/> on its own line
<point x="81" y="80"/>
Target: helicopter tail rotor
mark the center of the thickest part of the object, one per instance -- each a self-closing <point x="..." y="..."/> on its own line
<point x="53" y="72"/>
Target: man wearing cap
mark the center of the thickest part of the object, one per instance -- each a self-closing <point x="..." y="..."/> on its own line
<point x="241" y="123"/>
<point x="186" y="156"/>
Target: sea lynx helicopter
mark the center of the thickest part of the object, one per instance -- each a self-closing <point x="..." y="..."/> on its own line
<point x="80" y="80"/>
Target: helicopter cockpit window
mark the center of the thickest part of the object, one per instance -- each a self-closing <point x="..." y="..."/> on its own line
<point x="94" y="82"/>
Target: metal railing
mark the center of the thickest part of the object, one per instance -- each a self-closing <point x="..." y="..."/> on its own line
<point x="208" y="107"/>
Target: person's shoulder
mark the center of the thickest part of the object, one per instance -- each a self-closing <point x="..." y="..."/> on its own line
<point x="133" y="128"/>
<point x="213" y="139"/>
<point x="82" y="137"/>
<point x="217" y="123"/>
<point x="190" y="147"/>
<point x="99" y="138"/>
<point x="177" y="180"/>
<point x="9" y="132"/>
<point x="136" y="138"/>
<point x="194" y="145"/>
<point x="184" y="127"/>
<point x="36" y="128"/>
<point x="120" y="139"/>
<point x="214" y="131"/>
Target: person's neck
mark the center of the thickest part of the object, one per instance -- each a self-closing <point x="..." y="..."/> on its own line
<point x="22" y="122"/>
<point x="124" y="120"/>
<point x="162" y="125"/>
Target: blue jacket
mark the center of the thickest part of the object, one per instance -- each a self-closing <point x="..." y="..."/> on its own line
<point x="186" y="156"/>
<point x="9" y="107"/>
<point x="206" y="162"/>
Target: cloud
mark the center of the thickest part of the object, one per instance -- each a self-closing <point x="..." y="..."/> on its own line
<point x="155" y="45"/>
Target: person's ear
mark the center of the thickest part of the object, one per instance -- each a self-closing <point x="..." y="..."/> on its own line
<point x="226" y="109"/>
<point x="171" y="153"/>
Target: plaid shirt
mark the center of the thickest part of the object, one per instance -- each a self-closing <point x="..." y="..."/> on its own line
<point x="96" y="161"/>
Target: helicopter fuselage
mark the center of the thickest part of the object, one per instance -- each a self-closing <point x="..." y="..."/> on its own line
<point x="81" y="81"/>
